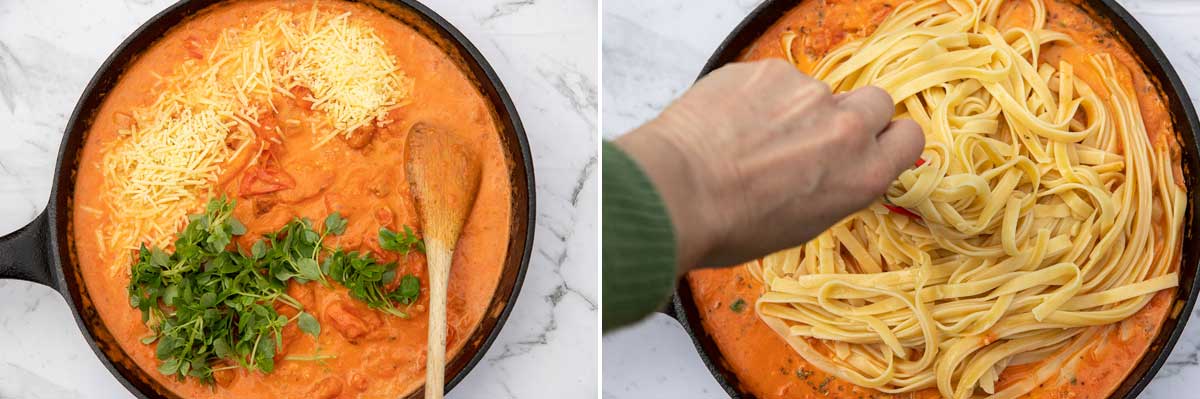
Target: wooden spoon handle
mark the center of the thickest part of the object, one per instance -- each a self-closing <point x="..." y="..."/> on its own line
<point x="438" y="261"/>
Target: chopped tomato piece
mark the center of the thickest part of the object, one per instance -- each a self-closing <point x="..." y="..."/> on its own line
<point x="327" y="388"/>
<point x="262" y="179"/>
<point x="124" y="120"/>
<point x="224" y="375"/>
<point x="266" y="126"/>
<point x="902" y="211"/>
<point x="384" y="216"/>
<point x="192" y="45"/>
<point x="359" y="382"/>
<point x="352" y="321"/>
<point x="303" y="96"/>
<point x="360" y="137"/>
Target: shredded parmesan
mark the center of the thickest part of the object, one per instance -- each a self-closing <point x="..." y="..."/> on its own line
<point x="351" y="75"/>
<point x="165" y="165"/>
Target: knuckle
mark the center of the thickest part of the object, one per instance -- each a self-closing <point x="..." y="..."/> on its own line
<point x="777" y="65"/>
<point x="849" y="126"/>
<point x="877" y="177"/>
<point x="877" y="92"/>
<point x="814" y="90"/>
<point x="912" y="127"/>
<point x="821" y="89"/>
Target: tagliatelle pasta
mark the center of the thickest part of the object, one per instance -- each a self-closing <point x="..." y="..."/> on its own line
<point x="1044" y="213"/>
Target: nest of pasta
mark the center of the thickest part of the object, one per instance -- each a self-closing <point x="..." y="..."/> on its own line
<point x="1040" y="215"/>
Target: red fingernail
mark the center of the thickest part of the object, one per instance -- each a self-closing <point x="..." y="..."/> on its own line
<point x="920" y="161"/>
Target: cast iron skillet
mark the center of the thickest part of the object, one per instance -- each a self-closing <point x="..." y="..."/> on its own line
<point x="1186" y="125"/>
<point x="43" y="251"/>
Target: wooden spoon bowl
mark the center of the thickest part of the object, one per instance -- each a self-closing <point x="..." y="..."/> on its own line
<point x="443" y="173"/>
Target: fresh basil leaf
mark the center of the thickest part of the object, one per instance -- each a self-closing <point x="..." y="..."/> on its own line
<point x="266" y="364"/>
<point x="165" y="346"/>
<point x="208" y="299"/>
<point x="407" y="292"/>
<point x="236" y="227"/>
<point x="169" y="367"/>
<point x="335" y="224"/>
<point x="403" y="242"/>
<point x="159" y="258"/>
<point x="414" y="242"/>
<point x="214" y="207"/>
<point x="308" y="269"/>
<point x="217" y="241"/>
<point x="221" y="348"/>
<point x="387" y="239"/>
<point x="410" y="286"/>
<point x="258" y="250"/>
<point x="309" y="325"/>
<point x="230" y="265"/>
<point x="327" y="265"/>
<point x="266" y="347"/>
<point x="285" y="275"/>
<point x="170" y="294"/>
<point x="200" y="370"/>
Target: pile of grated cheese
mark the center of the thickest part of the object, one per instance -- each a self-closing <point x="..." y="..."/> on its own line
<point x="166" y="165"/>
<point x="351" y="75"/>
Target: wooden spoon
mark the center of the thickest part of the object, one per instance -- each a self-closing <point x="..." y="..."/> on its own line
<point x="444" y="176"/>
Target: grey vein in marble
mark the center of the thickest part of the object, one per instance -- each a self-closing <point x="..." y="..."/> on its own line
<point x="506" y="8"/>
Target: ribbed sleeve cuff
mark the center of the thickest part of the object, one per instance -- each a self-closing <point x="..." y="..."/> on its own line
<point x="639" y="242"/>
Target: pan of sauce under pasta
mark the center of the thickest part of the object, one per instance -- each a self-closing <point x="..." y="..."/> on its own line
<point x="46" y="250"/>
<point x="765" y="329"/>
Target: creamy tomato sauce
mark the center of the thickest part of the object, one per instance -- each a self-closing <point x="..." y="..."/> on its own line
<point x="768" y="368"/>
<point x="375" y="355"/>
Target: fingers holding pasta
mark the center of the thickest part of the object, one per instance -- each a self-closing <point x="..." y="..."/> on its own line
<point x="758" y="157"/>
<point x="899" y="146"/>
<point x="869" y="105"/>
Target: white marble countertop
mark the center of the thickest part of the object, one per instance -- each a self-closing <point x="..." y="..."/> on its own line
<point x="652" y="52"/>
<point x="543" y="51"/>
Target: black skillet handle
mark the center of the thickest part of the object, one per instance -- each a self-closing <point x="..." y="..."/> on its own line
<point x="23" y="253"/>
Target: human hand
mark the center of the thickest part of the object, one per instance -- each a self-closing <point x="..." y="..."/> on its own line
<point x="757" y="157"/>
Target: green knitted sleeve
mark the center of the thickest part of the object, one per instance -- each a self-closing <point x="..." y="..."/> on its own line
<point x="639" y="242"/>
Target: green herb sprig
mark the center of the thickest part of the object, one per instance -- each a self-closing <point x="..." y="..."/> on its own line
<point x="366" y="278"/>
<point x="403" y="242"/>
<point x="207" y="304"/>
